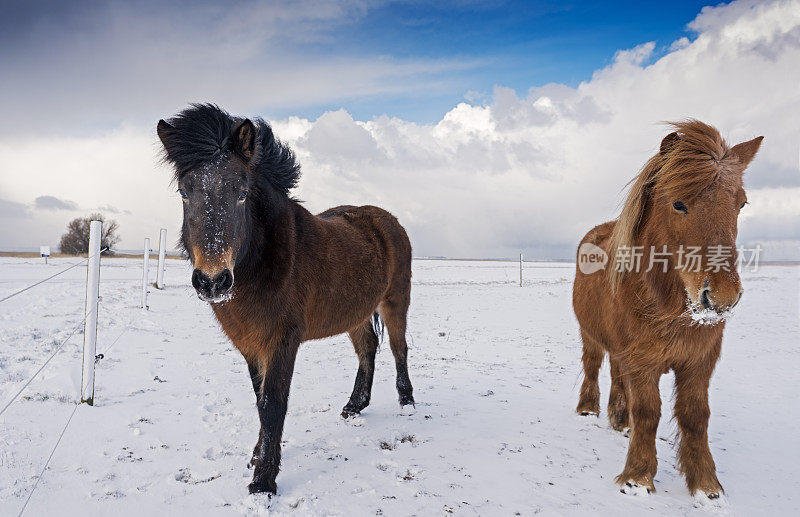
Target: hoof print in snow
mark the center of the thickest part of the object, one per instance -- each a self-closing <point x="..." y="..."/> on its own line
<point x="158" y="379"/>
<point x="409" y="475"/>
<point x="113" y="494"/>
<point x="185" y="475"/>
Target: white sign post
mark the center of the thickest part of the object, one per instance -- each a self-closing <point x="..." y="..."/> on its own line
<point x="90" y="322"/>
<point x="145" y="271"/>
<point x="162" y="255"/>
<point x="44" y="251"/>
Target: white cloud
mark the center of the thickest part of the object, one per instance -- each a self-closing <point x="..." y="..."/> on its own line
<point x="531" y="172"/>
<point x="537" y="172"/>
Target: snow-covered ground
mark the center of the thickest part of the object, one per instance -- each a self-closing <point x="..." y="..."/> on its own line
<point x="495" y="369"/>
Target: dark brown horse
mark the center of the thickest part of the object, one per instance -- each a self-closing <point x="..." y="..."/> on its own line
<point x="666" y="314"/>
<point x="275" y="274"/>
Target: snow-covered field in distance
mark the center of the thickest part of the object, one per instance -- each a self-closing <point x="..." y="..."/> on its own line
<point x="496" y="372"/>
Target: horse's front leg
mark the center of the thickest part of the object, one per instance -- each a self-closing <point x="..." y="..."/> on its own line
<point x="692" y="413"/>
<point x="278" y="360"/>
<point x="641" y="464"/>
<point x="256" y="377"/>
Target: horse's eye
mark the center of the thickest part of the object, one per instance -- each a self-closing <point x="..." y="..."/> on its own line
<point x="242" y="195"/>
<point x="742" y="205"/>
<point x="680" y="207"/>
<point x="183" y="193"/>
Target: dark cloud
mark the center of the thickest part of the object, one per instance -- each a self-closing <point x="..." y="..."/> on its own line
<point x="111" y="209"/>
<point x="13" y="210"/>
<point x="54" y="203"/>
<point x="767" y="173"/>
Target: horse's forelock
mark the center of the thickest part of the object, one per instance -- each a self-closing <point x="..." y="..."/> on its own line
<point x="197" y="135"/>
<point x="202" y="132"/>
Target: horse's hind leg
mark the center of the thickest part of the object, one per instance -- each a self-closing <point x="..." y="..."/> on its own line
<point x="618" y="411"/>
<point x="394" y="310"/>
<point x="589" y="401"/>
<point x="365" y="342"/>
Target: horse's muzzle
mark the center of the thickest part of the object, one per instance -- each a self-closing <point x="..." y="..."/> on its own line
<point x="212" y="289"/>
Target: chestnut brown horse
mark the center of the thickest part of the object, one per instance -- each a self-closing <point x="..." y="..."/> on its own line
<point x="275" y="274"/>
<point x="666" y="311"/>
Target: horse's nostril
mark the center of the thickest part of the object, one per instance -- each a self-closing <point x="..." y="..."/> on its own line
<point x="199" y="280"/>
<point x="704" y="300"/>
<point x="212" y="287"/>
<point x="224" y="281"/>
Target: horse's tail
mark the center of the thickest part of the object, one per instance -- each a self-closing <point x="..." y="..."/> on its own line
<point x="378" y="326"/>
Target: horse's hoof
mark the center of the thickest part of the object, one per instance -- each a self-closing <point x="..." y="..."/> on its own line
<point x="348" y="413"/>
<point x="618" y="422"/>
<point x="631" y="487"/>
<point x="405" y="400"/>
<point x="263" y="487"/>
<point x="408" y="409"/>
<point x="589" y="413"/>
<point x="713" y="498"/>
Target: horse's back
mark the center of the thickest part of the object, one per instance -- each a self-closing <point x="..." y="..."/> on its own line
<point x="374" y="221"/>
<point x="599" y="235"/>
<point x="380" y="233"/>
<point x="591" y="292"/>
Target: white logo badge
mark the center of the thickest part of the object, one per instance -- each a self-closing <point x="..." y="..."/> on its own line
<point x="591" y="258"/>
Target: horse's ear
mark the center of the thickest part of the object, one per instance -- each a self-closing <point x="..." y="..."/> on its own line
<point x="669" y="142"/>
<point x="244" y="139"/>
<point x="164" y="131"/>
<point x="746" y="151"/>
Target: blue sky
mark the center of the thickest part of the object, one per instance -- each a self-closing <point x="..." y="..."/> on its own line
<point x="516" y="44"/>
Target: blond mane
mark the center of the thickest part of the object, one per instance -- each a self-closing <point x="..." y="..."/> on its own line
<point x="690" y="161"/>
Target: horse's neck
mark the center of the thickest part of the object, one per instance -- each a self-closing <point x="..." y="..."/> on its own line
<point x="278" y="243"/>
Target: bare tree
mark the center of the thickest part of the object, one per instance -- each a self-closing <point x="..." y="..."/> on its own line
<point x="76" y="240"/>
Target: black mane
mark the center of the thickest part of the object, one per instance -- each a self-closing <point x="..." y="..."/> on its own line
<point x="202" y="132"/>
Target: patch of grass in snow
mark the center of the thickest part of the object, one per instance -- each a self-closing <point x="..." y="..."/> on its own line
<point x="390" y="446"/>
<point x="408" y="438"/>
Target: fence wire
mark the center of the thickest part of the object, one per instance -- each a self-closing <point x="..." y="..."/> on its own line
<point x="50" y="358"/>
<point x="46" y="463"/>
<point x="46" y="362"/>
<point x="51" y="277"/>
